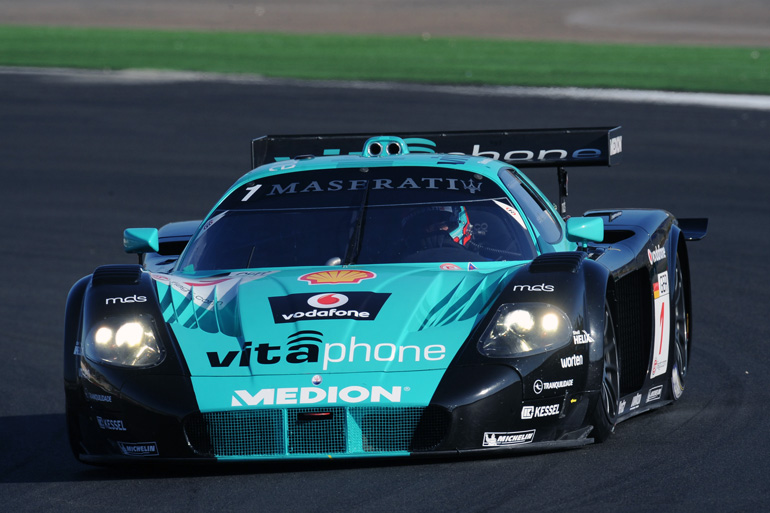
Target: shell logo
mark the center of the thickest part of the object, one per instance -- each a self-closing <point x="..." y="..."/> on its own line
<point x="330" y="277"/>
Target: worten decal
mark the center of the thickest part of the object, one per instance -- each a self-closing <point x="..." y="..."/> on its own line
<point x="307" y="346"/>
<point x="356" y="306"/>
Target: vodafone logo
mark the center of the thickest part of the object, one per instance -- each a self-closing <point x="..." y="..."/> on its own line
<point x="327" y="300"/>
<point x="353" y="306"/>
<point x="656" y="255"/>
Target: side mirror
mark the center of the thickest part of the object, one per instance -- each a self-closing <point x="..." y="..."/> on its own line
<point x="140" y="240"/>
<point x="582" y="229"/>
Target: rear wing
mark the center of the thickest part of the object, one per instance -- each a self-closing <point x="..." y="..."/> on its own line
<point x="560" y="148"/>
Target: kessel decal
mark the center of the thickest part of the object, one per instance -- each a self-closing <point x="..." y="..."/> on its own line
<point x="357" y="306"/>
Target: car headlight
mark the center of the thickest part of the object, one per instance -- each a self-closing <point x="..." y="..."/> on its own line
<point x="524" y="329"/>
<point x="125" y="342"/>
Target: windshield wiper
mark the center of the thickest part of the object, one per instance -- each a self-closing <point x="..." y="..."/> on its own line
<point x="354" y="246"/>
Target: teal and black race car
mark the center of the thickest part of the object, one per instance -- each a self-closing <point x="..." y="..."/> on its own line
<point x="358" y="296"/>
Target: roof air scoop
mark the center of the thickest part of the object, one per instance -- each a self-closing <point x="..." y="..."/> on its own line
<point x="385" y="146"/>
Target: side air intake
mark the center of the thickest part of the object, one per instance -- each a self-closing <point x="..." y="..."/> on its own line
<point x="117" y="275"/>
<point x="557" y="262"/>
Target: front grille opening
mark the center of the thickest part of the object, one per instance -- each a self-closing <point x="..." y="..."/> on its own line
<point x="316" y="431"/>
<point x="236" y="433"/>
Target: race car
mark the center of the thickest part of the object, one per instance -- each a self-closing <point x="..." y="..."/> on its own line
<point x="364" y="295"/>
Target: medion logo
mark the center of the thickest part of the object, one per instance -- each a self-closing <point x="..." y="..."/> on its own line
<point x="312" y="395"/>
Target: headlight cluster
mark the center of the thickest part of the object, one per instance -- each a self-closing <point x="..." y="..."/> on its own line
<point x="524" y="329"/>
<point x="125" y="342"/>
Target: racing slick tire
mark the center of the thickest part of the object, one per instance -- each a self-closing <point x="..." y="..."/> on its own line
<point x="605" y="413"/>
<point x="681" y="333"/>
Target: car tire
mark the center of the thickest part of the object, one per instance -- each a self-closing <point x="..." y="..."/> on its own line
<point x="680" y="333"/>
<point x="605" y="413"/>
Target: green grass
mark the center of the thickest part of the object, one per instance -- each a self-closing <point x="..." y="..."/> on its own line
<point x="404" y="59"/>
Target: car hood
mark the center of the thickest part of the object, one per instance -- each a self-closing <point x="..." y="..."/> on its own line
<point x="287" y="321"/>
<point x="296" y="327"/>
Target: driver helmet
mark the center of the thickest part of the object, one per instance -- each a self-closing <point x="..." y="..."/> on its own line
<point x="430" y="220"/>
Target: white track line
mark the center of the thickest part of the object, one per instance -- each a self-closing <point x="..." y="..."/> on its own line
<point x="135" y="77"/>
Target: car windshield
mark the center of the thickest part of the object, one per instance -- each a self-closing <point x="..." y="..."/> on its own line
<point x="360" y="216"/>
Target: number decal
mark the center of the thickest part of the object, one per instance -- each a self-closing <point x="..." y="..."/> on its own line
<point x="252" y="190"/>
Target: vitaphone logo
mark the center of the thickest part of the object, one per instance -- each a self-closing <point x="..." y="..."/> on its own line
<point x="304" y="347"/>
<point x="356" y="306"/>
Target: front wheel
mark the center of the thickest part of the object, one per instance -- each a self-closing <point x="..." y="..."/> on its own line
<point x="605" y="414"/>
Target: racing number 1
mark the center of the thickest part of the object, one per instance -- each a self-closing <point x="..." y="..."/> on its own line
<point x="662" y="325"/>
<point x="252" y="190"/>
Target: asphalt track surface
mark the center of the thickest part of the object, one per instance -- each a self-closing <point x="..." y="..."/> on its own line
<point x="84" y="156"/>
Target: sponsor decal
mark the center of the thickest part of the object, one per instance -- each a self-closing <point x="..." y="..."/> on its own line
<point x="501" y="439"/>
<point x="422" y="145"/>
<point x="350" y="276"/>
<point x="307" y="395"/>
<point x="99" y="398"/>
<point x="139" y="448"/>
<point x="622" y="406"/>
<point x="539" y="385"/>
<point x="534" y="288"/>
<point x="575" y="360"/>
<point x="305" y="347"/>
<point x="636" y="401"/>
<point x="535" y="412"/>
<point x="616" y="145"/>
<point x="471" y="267"/>
<point x="662" y="325"/>
<point x="316" y="380"/>
<point x="581" y="337"/>
<point x="661" y="287"/>
<point x="207" y="292"/>
<point x="656" y="255"/>
<point x="410" y="183"/>
<point x="654" y="394"/>
<point x="510" y="211"/>
<point x="358" y="306"/>
<point x="123" y="300"/>
<point x="529" y="155"/>
<point x="110" y="424"/>
<point x="450" y="267"/>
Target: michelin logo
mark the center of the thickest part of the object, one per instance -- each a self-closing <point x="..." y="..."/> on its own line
<point x="496" y="439"/>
